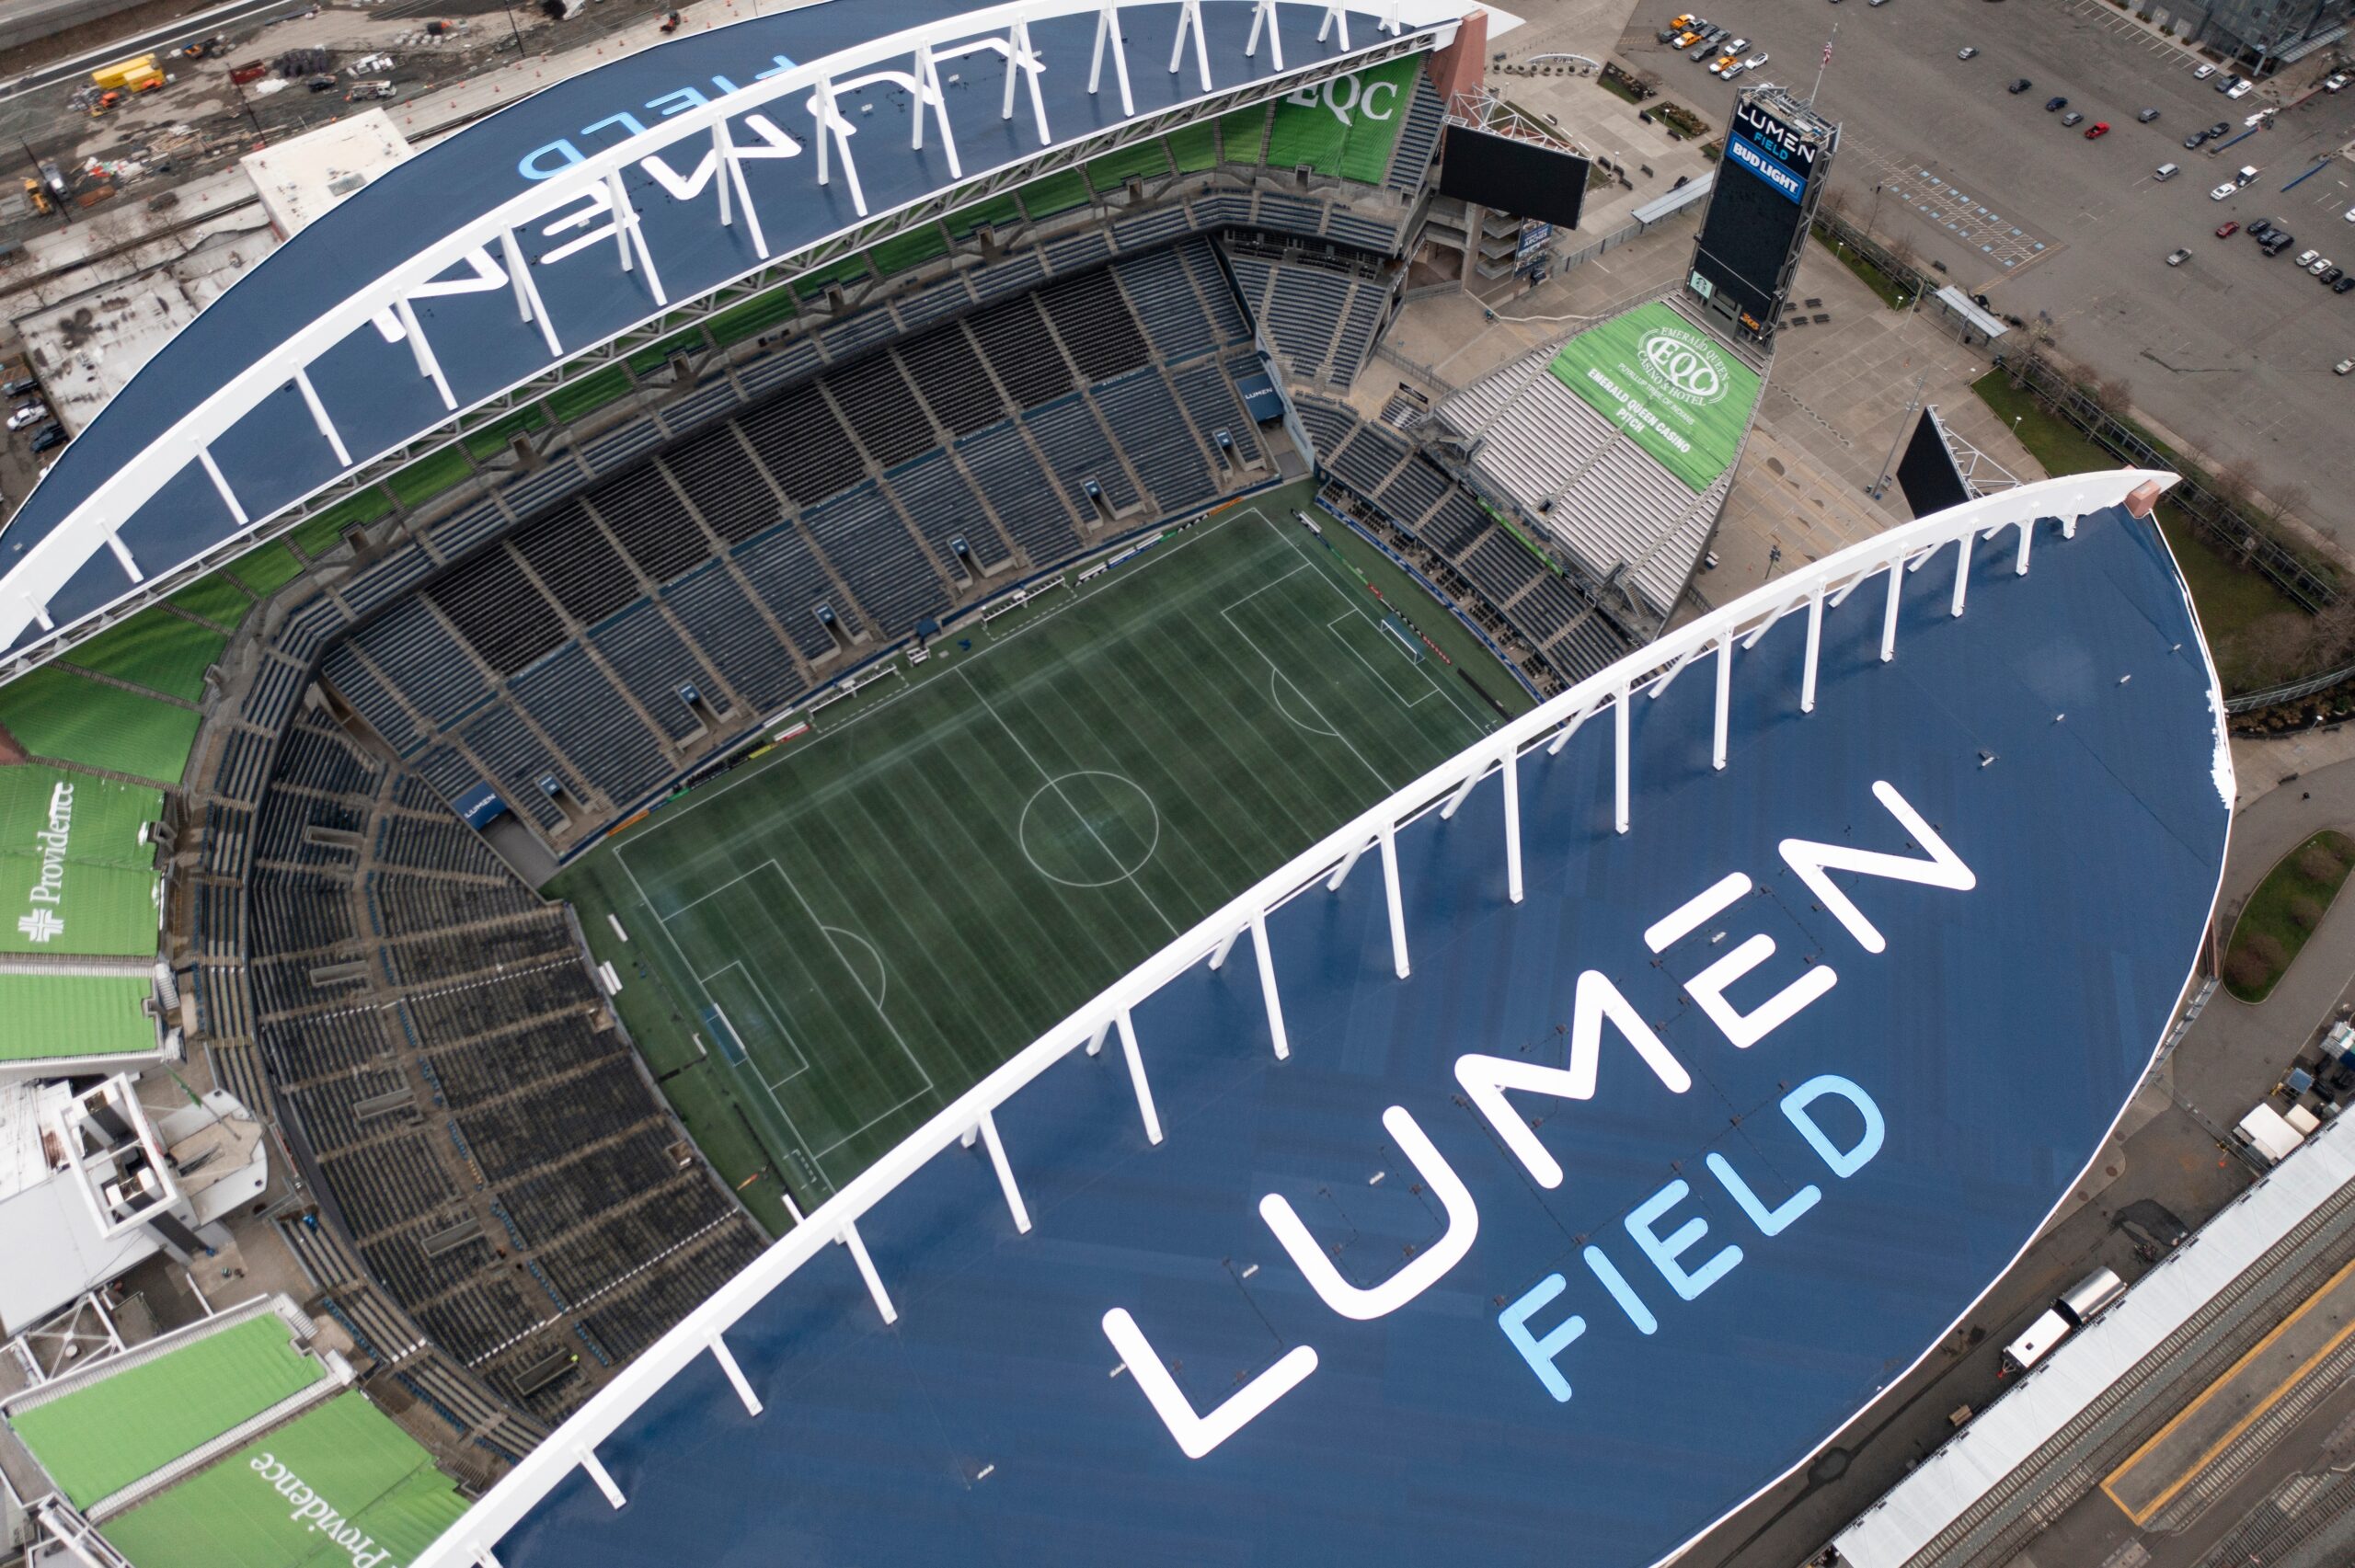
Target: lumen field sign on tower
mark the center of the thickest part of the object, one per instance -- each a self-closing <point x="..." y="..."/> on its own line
<point x="1669" y="384"/>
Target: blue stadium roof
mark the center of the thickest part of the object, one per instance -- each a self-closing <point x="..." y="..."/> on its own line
<point x="1772" y="1252"/>
<point x="326" y="300"/>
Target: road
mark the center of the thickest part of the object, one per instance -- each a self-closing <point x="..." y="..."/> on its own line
<point x="2231" y="352"/>
<point x="171" y="35"/>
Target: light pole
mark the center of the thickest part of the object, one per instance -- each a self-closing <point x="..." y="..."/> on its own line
<point x="514" y="29"/>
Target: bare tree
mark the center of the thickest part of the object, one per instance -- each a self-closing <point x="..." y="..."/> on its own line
<point x="2234" y="484"/>
<point x="2112" y="394"/>
<point x="2276" y="647"/>
<point x="2333" y="633"/>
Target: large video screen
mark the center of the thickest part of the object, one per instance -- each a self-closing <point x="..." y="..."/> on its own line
<point x="1509" y="175"/>
<point x="1927" y="473"/>
<point x="1746" y="237"/>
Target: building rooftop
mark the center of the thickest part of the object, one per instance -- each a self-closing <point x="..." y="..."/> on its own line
<point x="302" y="179"/>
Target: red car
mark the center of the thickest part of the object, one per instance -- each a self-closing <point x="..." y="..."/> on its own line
<point x="2226" y="231"/>
<point x="2098" y="128"/>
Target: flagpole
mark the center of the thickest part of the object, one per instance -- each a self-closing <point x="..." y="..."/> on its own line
<point x="1826" y="66"/>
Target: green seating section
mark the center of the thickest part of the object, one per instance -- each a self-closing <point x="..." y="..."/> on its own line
<point x="73" y="1015"/>
<point x="97" y="1439"/>
<point x="58" y="712"/>
<point x="154" y="649"/>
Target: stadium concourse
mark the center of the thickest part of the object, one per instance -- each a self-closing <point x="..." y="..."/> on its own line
<point x="609" y="733"/>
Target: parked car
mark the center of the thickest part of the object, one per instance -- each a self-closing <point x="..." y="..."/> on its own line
<point x="1967" y="51"/>
<point x="50" y="436"/>
<point x="2344" y="285"/>
<point x="1718" y="66"/>
<point x="2242" y="89"/>
<point x="2097" y="130"/>
<point x="2147" y="116"/>
<point x="2308" y="258"/>
<point x="2219" y="129"/>
<point x="2073" y="116"/>
<point x="2342" y="367"/>
<point x="2054" y="105"/>
<point x="2318" y="266"/>
<point x="2226" y="84"/>
<point x="2332" y="83"/>
<point x="2348" y="215"/>
<point x="1755" y="60"/>
<point x="2261" y="230"/>
<point x="30" y="413"/>
<point x="2228" y="230"/>
<point x="2196" y="141"/>
<point x="2204" y="73"/>
<point x="2277" y="242"/>
<point x="2019" y="84"/>
<point x="1706" y="50"/>
<point x="1732" y="70"/>
<point x="19" y="386"/>
<point x="2177" y="258"/>
<point x="2332" y="275"/>
<point x="2166" y="172"/>
<point x="2248" y="173"/>
<point x="2223" y="190"/>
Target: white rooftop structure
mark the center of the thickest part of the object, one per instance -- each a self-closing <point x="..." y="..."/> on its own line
<point x="299" y="179"/>
<point x="93" y="1183"/>
<point x="1909" y="1522"/>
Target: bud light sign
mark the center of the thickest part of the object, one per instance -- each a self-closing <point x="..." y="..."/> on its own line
<point x="1741" y="150"/>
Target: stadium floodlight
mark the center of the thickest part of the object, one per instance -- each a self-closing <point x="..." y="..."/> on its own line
<point x="477" y="214"/>
<point x="1835" y="1122"/>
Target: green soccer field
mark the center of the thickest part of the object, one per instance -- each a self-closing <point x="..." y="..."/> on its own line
<point x="830" y="943"/>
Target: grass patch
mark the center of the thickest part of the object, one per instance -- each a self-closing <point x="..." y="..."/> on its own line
<point x="429" y="477"/>
<point x="2283" y="912"/>
<point x="1879" y="281"/>
<point x="573" y="399"/>
<point x="219" y="599"/>
<point x="2236" y="605"/>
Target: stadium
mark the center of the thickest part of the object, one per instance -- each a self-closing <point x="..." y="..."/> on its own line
<point x="865" y="862"/>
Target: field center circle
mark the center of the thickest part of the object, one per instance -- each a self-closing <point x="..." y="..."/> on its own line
<point x="1089" y="829"/>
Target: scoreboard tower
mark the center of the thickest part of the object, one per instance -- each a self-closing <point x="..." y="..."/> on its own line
<point x="1778" y="161"/>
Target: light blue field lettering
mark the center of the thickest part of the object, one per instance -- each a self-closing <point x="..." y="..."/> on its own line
<point x="1770" y="1221"/>
<point x="1541" y="1353"/>
<point x="1664" y="1252"/>
<point x="1843" y="1162"/>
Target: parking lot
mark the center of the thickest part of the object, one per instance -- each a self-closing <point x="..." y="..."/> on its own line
<point x="2230" y="353"/>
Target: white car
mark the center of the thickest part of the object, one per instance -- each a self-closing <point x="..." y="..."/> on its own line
<point x="1736" y="69"/>
<point x="2321" y="265"/>
<point x="2348" y="215"/>
<point x="30" y="413"/>
<point x="2308" y="258"/>
<point x="2204" y="73"/>
<point x="2242" y="90"/>
<point x="2332" y="84"/>
<point x="2223" y="190"/>
<point x="1755" y="60"/>
<point x="1966" y="53"/>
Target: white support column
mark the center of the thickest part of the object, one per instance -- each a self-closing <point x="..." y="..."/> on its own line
<point x="1562" y="736"/>
<point x="1108" y="31"/>
<point x="1391" y="23"/>
<point x="1004" y="1173"/>
<point x="38" y="610"/>
<point x="2068" y="528"/>
<point x="1814" y="648"/>
<point x="1962" y="567"/>
<point x="1095" y="1041"/>
<point x="527" y="293"/>
<point x="1341" y="872"/>
<point x="1888" y="616"/>
<point x="633" y="235"/>
<point x="1725" y="701"/>
<point x="2027" y="536"/>
<point x="1513" y="823"/>
<point x="1190" y="15"/>
<point x="1463" y="792"/>
<point x="1263" y="15"/>
<point x="1030" y="67"/>
<point x="1226" y="945"/>
<point x="1136" y="1079"/>
<point x="1619" y="728"/>
<point x="485" y="1559"/>
<point x="970" y="1137"/>
<point x="121" y="553"/>
<point x="736" y="1379"/>
<point x="587" y="1459"/>
<point x="849" y="1238"/>
<point x="617" y="203"/>
<point x="833" y="140"/>
<point x="1268" y="987"/>
<point x="1335" y="14"/>
<point x="319" y="414"/>
<point x="1397" y="904"/>
<point x="220" y="484"/>
<point x="734" y="162"/>
<point x="423" y="351"/>
<point x="938" y="98"/>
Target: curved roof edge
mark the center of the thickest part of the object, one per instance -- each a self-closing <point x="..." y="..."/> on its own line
<point x="1894" y="555"/>
<point x="189" y="464"/>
